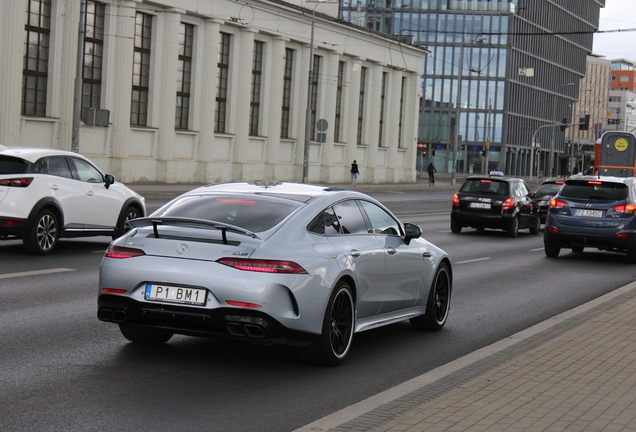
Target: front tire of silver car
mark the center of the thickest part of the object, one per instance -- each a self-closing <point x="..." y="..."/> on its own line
<point x="438" y="303"/>
<point x="143" y="337"/>
<point x="332" y="346"/>
<point x="43" y="235"/>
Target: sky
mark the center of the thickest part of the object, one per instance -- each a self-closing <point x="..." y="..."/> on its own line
<point x="617" y="14"/>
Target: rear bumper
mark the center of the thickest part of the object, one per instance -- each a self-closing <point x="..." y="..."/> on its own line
<point x="481" y="220"/>
<point x="603" y="242"/>
<point x="232" y="323"/>
<point x="7" y="231"/>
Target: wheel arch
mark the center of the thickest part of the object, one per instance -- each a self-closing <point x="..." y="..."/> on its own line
<point x="48" y="203"/>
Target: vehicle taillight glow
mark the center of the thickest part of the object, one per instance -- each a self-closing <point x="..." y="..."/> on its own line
<point x="122" y="253"/>
<point x="559" y="182"/>
<point x="13" y="223"/>
<point x="242" y="304"/>
<point x="263" y="266"/>
<point x="114" y="291"/>
<point x="625" y="209"/>
<point x="595" y="182"/>
<point x="17" y="182"/>
<point x="486" y="181"/>
<point x="507" y="204"/>
<point x="455" y="200"/>
<point x="556" y="204"/>
<point x="553" y="230"/>
<point x="622" y="235"/>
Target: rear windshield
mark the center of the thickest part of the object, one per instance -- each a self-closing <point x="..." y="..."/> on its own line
<point x="485" y="186"/>
<point x="13" y="165"/>
<point x="595" y="190"/>
<point x="549" y="188"/>
<point x="251" y="212"/>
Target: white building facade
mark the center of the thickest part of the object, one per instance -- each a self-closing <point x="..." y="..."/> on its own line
<point x="209" y="90"/>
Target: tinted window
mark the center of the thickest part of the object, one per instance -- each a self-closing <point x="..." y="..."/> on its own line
<point x="350" y="218"/>
<point x="549" y="188"/>
<point x="597" y="190"/>
<point x="485" y="186"/>
<point x="12" y="165"/>
<point x="381" y="221"/>
<point x="325" y="223"/>
<point x="59" y="167"/>
<point x="87" y="172"/>
<point x="250" y="212"/>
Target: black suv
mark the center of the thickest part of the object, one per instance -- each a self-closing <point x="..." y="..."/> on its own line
<point x="598" y="212"/>
<point x="495" y="202"/>
<point x="544" y="194"/>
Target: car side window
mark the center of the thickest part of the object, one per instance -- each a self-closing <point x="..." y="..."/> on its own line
<point x="87" y="172"/>
<point x="381" y="221"/>
<point x="58" y="166"/>
<point x="524" y="189"/>
<point x="326" y="223"/>
<point x="350" y="218"/>
<point x="41" y="166"/>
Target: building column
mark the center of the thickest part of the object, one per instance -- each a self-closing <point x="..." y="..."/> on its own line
<point x="373" y="96"/>
<point x="328" y="111"/>
<point x="12" y="14"/>
<point x="272" y="100"/>
<point x="350" y="117"/>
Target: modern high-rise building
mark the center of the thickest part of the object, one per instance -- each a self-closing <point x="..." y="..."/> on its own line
<point x="500" y="74"/>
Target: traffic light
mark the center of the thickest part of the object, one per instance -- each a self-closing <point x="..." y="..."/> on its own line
<point x="564" y="124"/>
<point x="483" y="153"/>
<point x="584" y="122"/>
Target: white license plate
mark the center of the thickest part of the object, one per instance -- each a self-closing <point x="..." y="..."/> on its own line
<point x="172" y="294"/>
<point x="589" y="213"/>
<point x="479" y="205"/>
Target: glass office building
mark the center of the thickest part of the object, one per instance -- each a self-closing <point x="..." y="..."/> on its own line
<point x="509" y="71"/>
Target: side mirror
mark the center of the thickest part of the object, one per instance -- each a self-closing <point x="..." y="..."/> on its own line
<point x="109" y="179"/>
<point x="412" y="231"/>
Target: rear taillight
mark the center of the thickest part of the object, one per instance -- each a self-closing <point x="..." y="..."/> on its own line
<point x="556" y="204"/>
<point x="263" y="266"/>
<point x="625" y="209"/>
<point x="114" y="291"/>
<point x="17" y="182"/>
<point x="13" y="222"/>
<point x="243" y="304"/>
<point x="122" y="253"/>
<point x="455" y="200"/>
<point x="508" y="204"/>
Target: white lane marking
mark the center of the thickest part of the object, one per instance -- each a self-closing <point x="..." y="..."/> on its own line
<point x="474" y="260"/>
<point x="536" y="250"/>
<point x="35" y="273"/>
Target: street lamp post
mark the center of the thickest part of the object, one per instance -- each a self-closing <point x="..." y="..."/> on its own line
<point x="553" y="132"/>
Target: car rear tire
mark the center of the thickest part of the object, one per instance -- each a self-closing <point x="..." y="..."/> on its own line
<point x="551" y="251"/>
<point x="143" y="337"/>
<point x="513" y="229"/>
<point x="43" y="235"/>
<point x="455" y="227"/>
<point x="332" y="346"/>
<point x="123" y="225"/>
<point x="438" y="303"/>
<point x="534" y="229"/>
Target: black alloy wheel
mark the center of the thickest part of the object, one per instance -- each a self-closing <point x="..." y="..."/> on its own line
<point x="438" y="303"/>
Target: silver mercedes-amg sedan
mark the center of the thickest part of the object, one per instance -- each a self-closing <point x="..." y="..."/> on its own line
<point x="295" y="264"/>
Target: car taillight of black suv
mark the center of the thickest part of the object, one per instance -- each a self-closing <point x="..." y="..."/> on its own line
<point x="597" y="212"/>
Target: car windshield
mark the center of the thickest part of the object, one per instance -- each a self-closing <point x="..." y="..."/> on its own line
<point x="12" y="165"/>
<point x="595" y="190"/>
<point x="549" y="189"/>
<point x="485" y="186"/>
<point x="251" y="212"/>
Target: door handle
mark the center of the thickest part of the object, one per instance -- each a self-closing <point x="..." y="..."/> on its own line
<point x="355" y="253"/>
<point x="391" y="251"/>
<point x="426" y="254"/>
<point x="55" y="187"/>
<point x="90" y="193"/>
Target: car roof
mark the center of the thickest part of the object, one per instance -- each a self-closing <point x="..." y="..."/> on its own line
<point x="607" y="179"/>
<point x="486" y="177"/>
<point x="32" y="154"/>
<point x="553" y="180"/>
<point x="295" y="191"/>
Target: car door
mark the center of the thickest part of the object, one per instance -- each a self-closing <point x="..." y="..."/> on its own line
<point x="349" y="233"/>
<point x="67" y="191"/>
<point x="525" y="203"/>
<point x="405" y="265"/>
<point x="102" y="205"/>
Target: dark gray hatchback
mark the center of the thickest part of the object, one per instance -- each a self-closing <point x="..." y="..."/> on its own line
<point x="598" y="212"/>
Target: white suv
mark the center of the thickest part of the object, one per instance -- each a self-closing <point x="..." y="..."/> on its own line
<point x="49" y="194"/>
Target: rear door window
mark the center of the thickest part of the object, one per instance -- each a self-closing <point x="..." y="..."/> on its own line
<point x="350" y="218"/>
<point x="58" y="166"/>
<point x="595" y="190"/>
<point x="12" y="165"/>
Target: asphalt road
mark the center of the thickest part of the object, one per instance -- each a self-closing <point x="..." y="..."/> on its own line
<point x="63" y="370"/>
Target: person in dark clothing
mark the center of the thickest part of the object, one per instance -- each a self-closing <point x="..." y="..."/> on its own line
<point x="431" y="174"/>
<point x="354" y="173"/>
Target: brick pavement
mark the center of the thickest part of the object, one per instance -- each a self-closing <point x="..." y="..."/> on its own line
<point x="574" y="372"/>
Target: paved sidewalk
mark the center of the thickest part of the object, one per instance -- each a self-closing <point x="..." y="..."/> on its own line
<point x="573" y="372"/>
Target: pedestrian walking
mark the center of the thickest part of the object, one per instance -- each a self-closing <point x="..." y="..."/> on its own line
<point x="431" y="174"/>
<point x="354" y="173"/>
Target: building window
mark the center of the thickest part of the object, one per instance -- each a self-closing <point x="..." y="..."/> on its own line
<point x="36" y="57"/>
<point x="182" y="115"/>
<point x="363" y="79"/>
<point x="287" y="87"/>
<point x="382" y="101"/>
<point x="223" y="67"/>
<point x="93" y="55"/>
<point x="255" y="99"/>
<point x="401" y="111"/>
<point x="314" y="94"/>
<point x="141" y="70"/>
<point x="341" y="69"/>
<point x="624" y="78"/>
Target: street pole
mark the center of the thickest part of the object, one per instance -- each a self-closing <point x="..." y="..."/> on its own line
<point x="77" y="94"/>
<point x="533" y="144"/>
<point x="553" y="119"/>
<point x="457" y="113"/>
